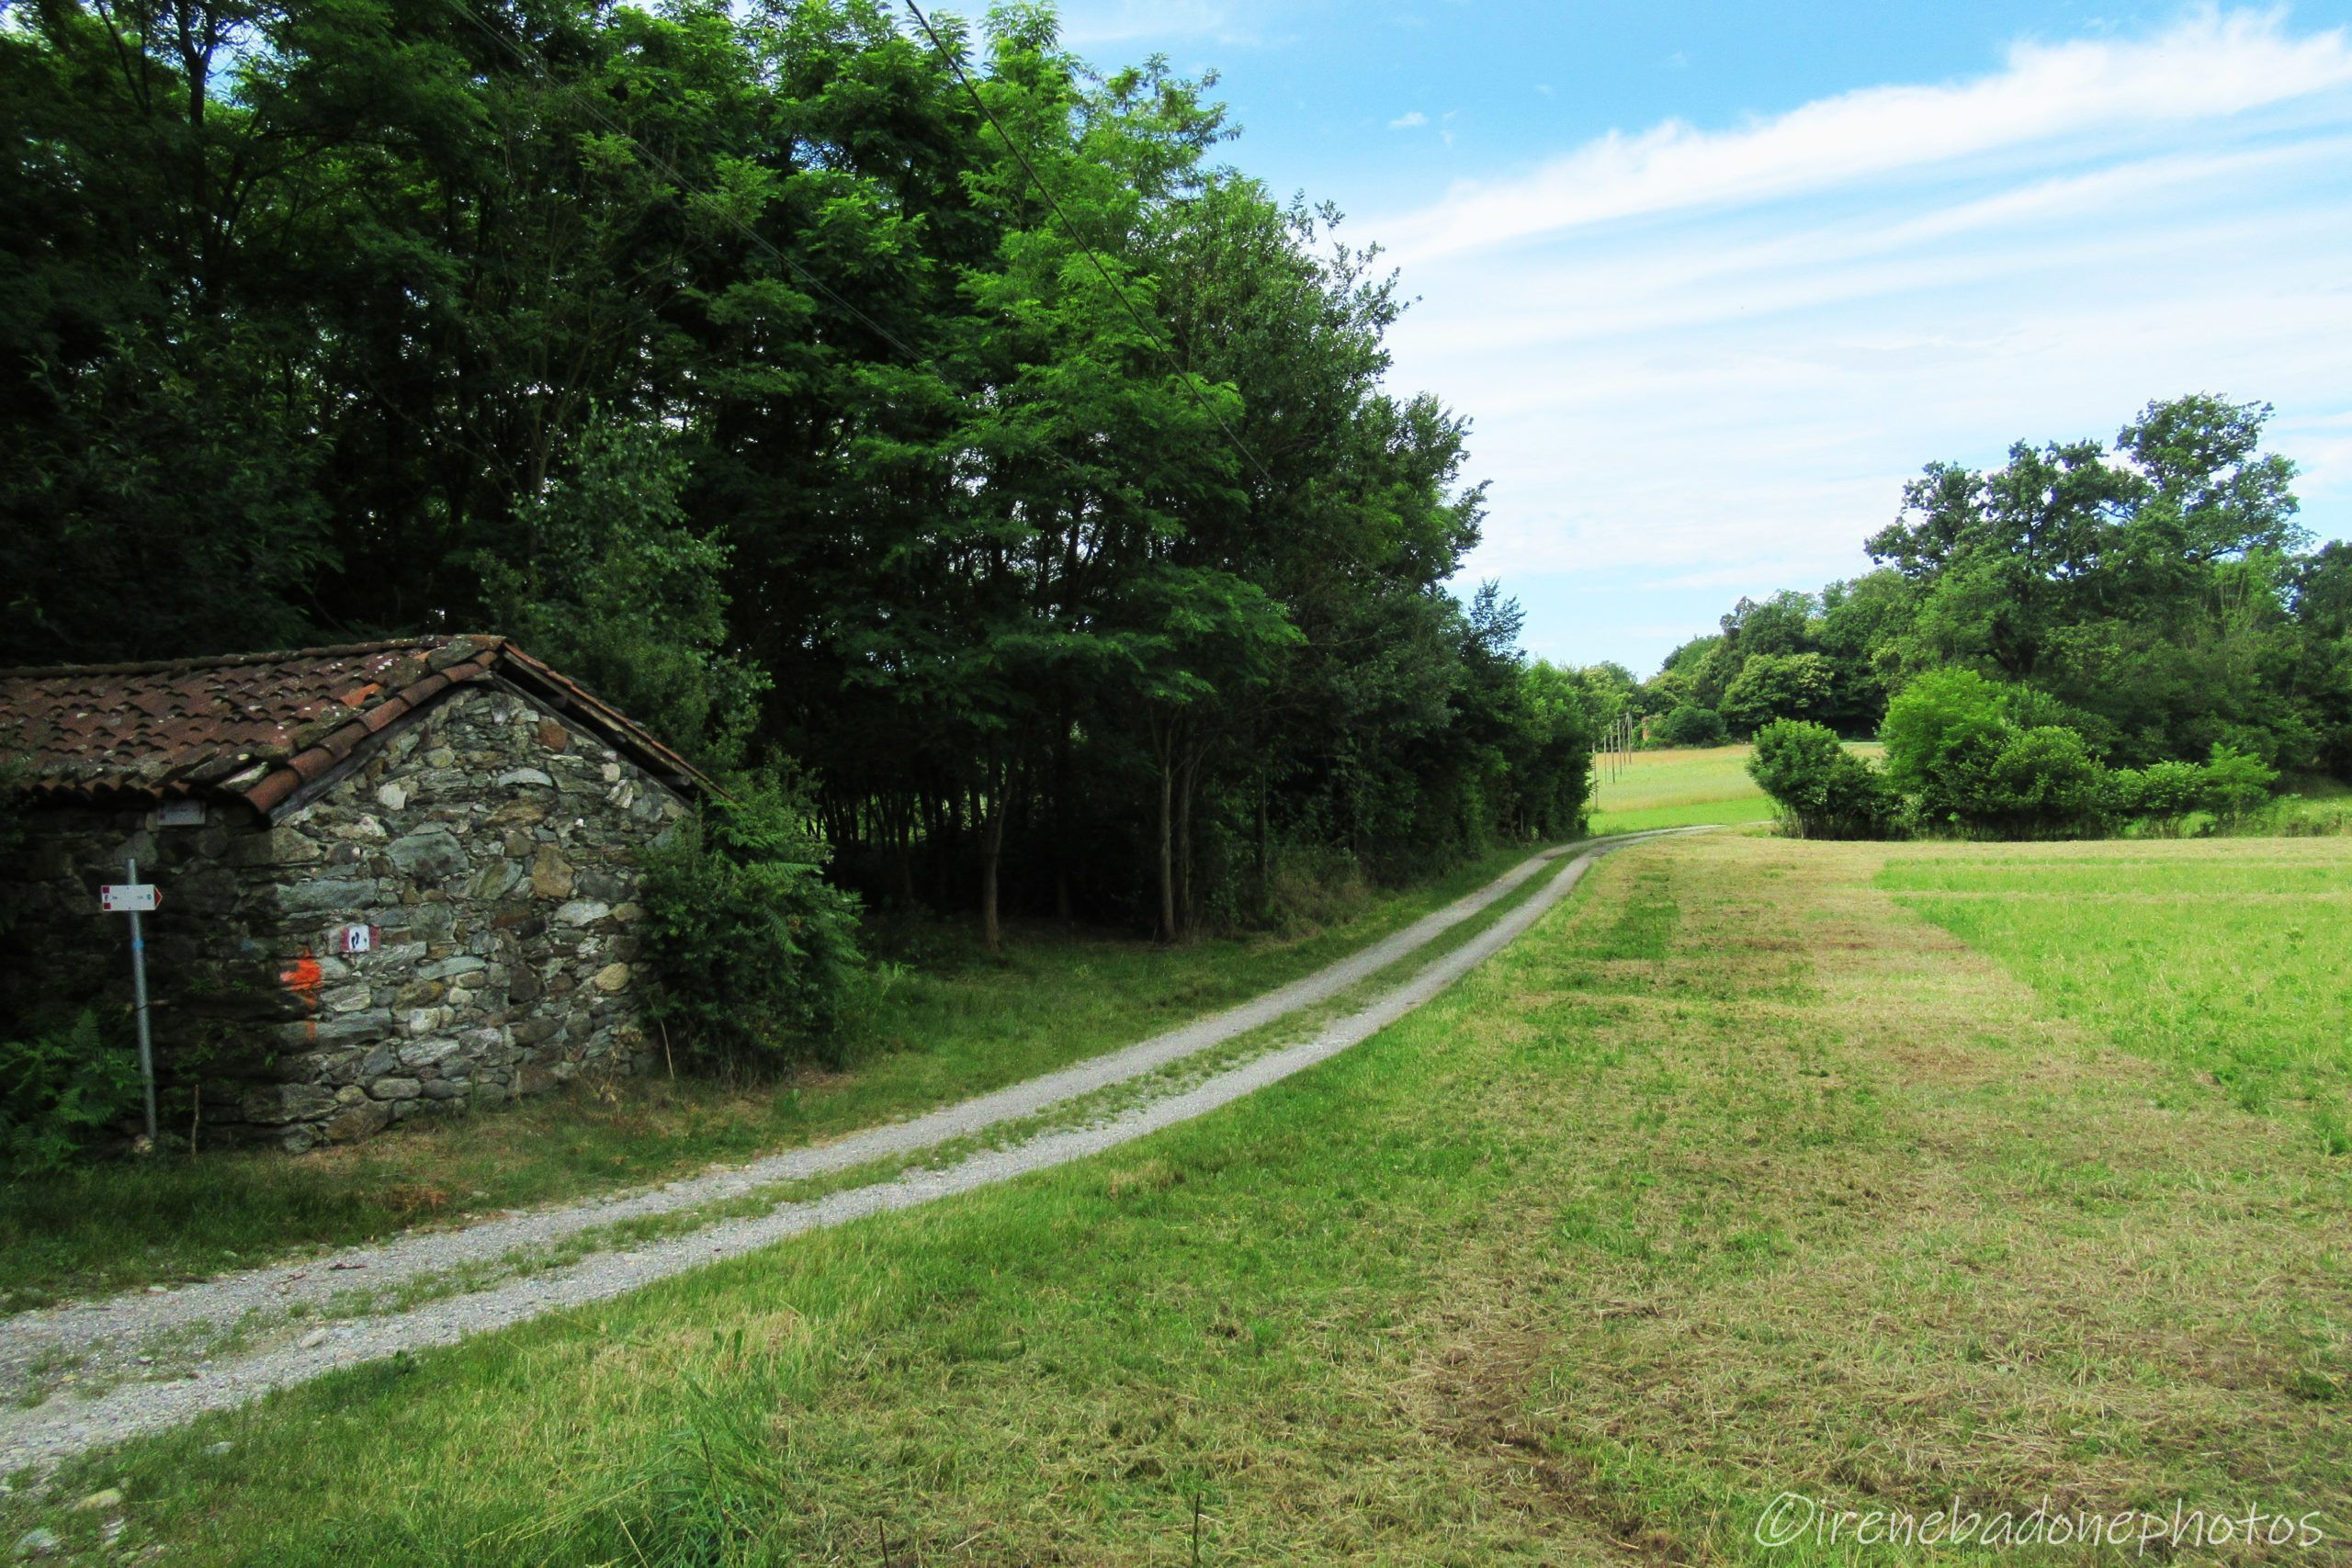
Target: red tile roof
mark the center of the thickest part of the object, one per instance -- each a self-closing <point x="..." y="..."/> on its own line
<point x="258" y="727"/>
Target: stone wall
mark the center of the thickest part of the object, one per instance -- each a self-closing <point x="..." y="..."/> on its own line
<point x="490" y="851"/>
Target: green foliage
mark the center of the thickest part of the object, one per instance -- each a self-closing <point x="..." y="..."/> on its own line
<point x="2148" y="590"/>
<point x="756" y="953"/>
<point x="2234" y="783"/>
<point x="63" y="1084"/>
<point x="1547" y="751"/>
<point x="1944" y="733"/>
<point x="610" y="584"/>
<point x="2160" y="789"/>
<point x="2229" y="787"/>
<point x="1953" y="742"/>
<point x="2044" y="781"/>
<point x="1311" y="887"/>
<point x="2147" y="595"/>
<point x="730" y="360"/>
<point x="1823" y="790"/>
<point x="1776" y="686"/>
<point x="1689" y="726"/>
<point x="2136" y="609"/>
<point x="62" y="1088"/>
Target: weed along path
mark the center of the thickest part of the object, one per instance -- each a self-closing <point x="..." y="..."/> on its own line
<point x="144" y="1362"/>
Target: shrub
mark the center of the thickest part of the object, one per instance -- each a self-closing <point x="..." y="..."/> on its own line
<point x="1693" y="726"/>
<point x="1823" y="790"/>
<point x="2045" y="780"/>
<point x="2233" y="782"/>
<point x="1961" y="745"/>
<point x="2160" y="789"/>
<point x="1944" y="733"/>
<point x="2231" y="785"/>
<point x="64" y="1085"/>
<point x="62" y="1088"/>
<point x="754" y="951"/>
<point x="1776" y="686"/>
<point x="2311" y="818"/>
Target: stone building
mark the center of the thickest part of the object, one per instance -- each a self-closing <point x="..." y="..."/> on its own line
<point x="394" y="877"/>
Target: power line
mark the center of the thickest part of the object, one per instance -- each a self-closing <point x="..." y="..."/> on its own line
<point x="1150" y="334"/>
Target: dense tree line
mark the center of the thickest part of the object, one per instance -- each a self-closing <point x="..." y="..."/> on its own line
<point x="2155" y="599"/>
<point x="986" y="446"/>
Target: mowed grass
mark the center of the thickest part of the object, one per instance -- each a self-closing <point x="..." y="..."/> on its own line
<point x="2229" y="959"/>
<point x="957" y="1021"/>
<point x="1681" y="788"/>
<point x="1677" y="788"/>
<point x="1733" y="1177"/>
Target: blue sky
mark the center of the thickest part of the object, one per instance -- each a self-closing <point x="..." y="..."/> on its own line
<point x="1712" y="280"/>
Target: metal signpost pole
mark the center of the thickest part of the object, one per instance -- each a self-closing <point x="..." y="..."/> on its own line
<point x="139" y="996"/>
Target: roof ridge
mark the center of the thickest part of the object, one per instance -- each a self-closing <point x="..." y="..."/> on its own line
<point x="227" y="660"/>
<point x="178" y="727"/>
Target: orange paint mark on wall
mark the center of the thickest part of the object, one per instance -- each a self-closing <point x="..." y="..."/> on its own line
<point x="305" y="978"/>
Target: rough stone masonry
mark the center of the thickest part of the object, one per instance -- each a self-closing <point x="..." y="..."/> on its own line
<point x="489" y="851"/>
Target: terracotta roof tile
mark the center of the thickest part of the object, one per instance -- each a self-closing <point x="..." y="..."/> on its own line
<point x="260" y="726"/>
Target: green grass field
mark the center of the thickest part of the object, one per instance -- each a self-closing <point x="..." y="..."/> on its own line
<point x="2230" y="958"/>
<point x="957" y="1022"/>
<point x="1678" y="789"/>
<point x="1681" y="788"/>
<point x="1739" y="1175"/>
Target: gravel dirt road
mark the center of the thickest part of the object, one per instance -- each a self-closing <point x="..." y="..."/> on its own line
<point x="111" y="1332"/>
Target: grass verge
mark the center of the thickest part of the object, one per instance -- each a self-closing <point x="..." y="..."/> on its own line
<point x="1734" y="1178"/>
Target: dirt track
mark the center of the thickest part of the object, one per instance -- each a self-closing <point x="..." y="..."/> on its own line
<point x="111" y="1331"/>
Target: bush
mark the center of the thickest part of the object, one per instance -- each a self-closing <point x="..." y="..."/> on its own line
<point x="2232" y="783"/>
<point x="1691" y="726"/>
<point x="2045" y="780"/>
<point x="1944" y="733"/>
<point x="1970" y="751"/>
<point x="2160" y="789"/>
<point x="62" y="1089"/>
<point x="64" y="1085"/>
<point x="1823" y="790"/>
<point x="1776" y="686"/>
<point x="2309" y="818"/>
<point x="754" y="951"/>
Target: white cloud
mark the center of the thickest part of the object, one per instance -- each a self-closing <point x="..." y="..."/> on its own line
<point x="2209" y="67"/>
<point x="1726" y="396"/>
<point x="1407" y="121"/>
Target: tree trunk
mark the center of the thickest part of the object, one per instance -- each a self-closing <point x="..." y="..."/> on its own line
<point x="1166" y="833"/>
<point x="902" y="834"/>
<point x="1187" y="910"/>
<point x="990" y="813"/>
<point x="1059" y="836"/>
<point x="1265" y="848"/>
<point x="941" y="848"/>
<point x="992" y="936"/>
